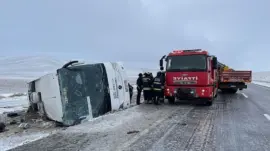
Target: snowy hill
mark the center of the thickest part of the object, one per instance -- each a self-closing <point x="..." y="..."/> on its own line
<point x="31" y="67"/>
<point x="27" y="67"/>
<point x="261" y="78"/>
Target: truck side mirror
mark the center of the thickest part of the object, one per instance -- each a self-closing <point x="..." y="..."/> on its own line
<point x="214" y="63"/>
<point x="161" y="64"/>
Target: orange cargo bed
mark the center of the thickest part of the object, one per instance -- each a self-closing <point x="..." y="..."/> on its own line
<point x="236" y="76"/>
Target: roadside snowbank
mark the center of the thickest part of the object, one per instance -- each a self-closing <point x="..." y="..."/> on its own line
<point x="13" y="102"/>
<point x="106" y="121"/>
<point x="266" y="84"/>
<point x="14" y="135"/>
<point x="261" y="78"/>
<point x="18" y="140"/>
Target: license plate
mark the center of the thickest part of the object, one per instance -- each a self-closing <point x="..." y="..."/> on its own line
<point x="233" y="86"/>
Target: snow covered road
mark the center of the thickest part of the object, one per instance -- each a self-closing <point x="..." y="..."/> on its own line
<point x="234" y="122"/>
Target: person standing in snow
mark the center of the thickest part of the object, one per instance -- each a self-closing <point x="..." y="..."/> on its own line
<point x="139" y="88"/>
<point x="162" y="79"/>
<point x="2" y="127"/>
<point x="151" y="93"/>
<point x="130" y="91"/>
<point x="157" y="88"/>
<point x="147" y="87"/>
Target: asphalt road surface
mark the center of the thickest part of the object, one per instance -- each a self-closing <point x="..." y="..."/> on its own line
<point x="239" y="122"/>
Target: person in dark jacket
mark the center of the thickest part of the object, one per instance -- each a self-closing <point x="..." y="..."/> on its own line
<point x="139" y="88"/>
<point x="151" y="93"/>
<point x="157" y="88"/>
<point x="162" y="79"/>
<point x="2" y="127"/>
<point x="130" y="87"/>
<point x="147" y="87"/>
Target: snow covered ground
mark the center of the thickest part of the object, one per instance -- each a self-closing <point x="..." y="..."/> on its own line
<point x="16" y="136"/>
<point x="261" y="78"/>
<point x="11" y="102"/>
<point x="10" y="142"/>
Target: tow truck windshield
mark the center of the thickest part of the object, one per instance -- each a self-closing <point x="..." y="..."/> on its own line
<point x="187" y="63"/>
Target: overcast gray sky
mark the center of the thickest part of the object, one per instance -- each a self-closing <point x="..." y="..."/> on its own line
<point x="137" y="32"/>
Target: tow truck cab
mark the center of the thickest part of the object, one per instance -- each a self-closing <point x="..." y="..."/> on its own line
<point x="190" y="74"/>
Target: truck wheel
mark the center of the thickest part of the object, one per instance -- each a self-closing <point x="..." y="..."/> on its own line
<point x="171" y="100"/>
<point x="209" y="103"/>
<point x="233" y="90"/>
<point x="224" y="90"/>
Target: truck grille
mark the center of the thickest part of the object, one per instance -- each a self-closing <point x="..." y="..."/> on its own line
<point x="186" y="92"/>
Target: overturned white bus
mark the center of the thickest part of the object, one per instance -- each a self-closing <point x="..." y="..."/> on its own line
<point x="75" y="93"/>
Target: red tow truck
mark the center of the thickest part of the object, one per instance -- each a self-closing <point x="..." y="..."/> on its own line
<point x="197" y="75"/>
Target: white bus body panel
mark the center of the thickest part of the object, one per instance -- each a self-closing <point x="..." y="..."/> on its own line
<point x="50" y="95"/>
<point x="119" y="91"/>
